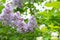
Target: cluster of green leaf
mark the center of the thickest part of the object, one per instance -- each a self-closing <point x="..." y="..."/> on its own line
<point x="9" y="33"/>
<point x="1" y="5"/>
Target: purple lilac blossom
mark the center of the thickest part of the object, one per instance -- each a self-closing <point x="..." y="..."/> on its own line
<point x="7" y="14"/>
<point x="21" y="25"/>
<point x="8" y="18"/>
<point x="29" y="27"/>
<point x="17" y="3"/>
<point x="32" y="23"/>
<point x="16" y="17"/>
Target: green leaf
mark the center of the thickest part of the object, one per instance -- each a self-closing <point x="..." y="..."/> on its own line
<point x="53" y="4"/>
<point x="1" y="7"/>
<point x="3" y="1"/>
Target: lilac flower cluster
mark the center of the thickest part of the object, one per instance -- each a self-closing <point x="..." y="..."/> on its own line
<point x="23" y="27"/>
<point x="6" y="15"/>
<point x="17" y="3"/>
<point x="8" y="18"/>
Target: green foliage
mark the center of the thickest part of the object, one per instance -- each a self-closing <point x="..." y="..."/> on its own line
<point x="53" y="4"/>
<point x="8" y="33"/>
<point x="3" y="1"/>
<point x="1" y="7"/>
